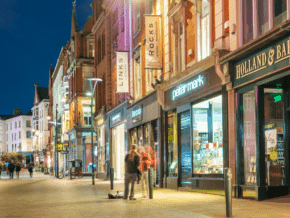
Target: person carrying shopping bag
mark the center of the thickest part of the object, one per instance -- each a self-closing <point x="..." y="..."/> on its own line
<point x="132" y="162"/>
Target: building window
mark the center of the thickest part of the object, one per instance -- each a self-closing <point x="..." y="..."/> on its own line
<point x="172" y="143"/>
<point x="280" y="14"/>
<point x="28" y="134"/>
<point x="137" y="19"/>
<point x="99" y="50"/>
<point x="103" y="45"/>
<point x="138" y="79"/>
<point x="149" y="79"/>
<point x="203" y="31"/>
<point x="15" y="125"/>
<point x="19" y="124"/>
<point x="19" y="147"/>
<point x="87" y="115"/>
<point x="150" y="6"/>
<point x="19" y="134"/>
<point x="208" y="137"/>
<point x="10" y="126"/>
<point x="28" y="123"/>
<point x="12" y="137"/>
<point x="248" y="20"/>
<point x="181" y="47"/>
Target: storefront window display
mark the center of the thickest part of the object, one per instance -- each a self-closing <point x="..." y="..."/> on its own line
<point x="274" y="140"/>
<point x="249" y="116"/>
<point x="101" y="150"/>
<point x="172" y="143"/>
<point x="207" y="137"/>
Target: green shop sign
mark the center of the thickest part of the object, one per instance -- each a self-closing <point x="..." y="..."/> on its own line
<point x="270" y="59"/>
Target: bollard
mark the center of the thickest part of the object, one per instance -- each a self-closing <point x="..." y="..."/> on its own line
<point x="150" y="185"/>
<point x="112" y="178"/>
<point x="228" y="191"/>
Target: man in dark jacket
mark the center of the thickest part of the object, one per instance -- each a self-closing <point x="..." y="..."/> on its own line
<point x="18" y="168"/>
<point x="11" y="168"/>
<point x="30" y="169"/>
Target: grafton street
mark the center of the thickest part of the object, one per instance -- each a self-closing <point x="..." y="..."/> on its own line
<point x="46" y="196"/>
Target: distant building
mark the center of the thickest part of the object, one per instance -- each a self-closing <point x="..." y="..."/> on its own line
<point x="40" y="131"/>
<point x="17" y="133"/>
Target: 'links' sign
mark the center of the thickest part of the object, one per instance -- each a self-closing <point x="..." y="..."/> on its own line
<point x="185" y="88"/>
<point x="268" y="60"/>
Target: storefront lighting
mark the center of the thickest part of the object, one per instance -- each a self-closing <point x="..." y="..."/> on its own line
<point x="88" y="94"/>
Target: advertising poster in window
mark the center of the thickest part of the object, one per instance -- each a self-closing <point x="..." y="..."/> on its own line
<point x="153" y="41"/>
<point x="122" y="72"/>
<point x="271" y="139"/>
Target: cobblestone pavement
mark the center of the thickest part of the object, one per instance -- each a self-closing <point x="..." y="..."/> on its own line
<point x="46" y="196"/>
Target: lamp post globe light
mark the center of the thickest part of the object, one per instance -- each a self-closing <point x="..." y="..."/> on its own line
<point x="93" y="84"/>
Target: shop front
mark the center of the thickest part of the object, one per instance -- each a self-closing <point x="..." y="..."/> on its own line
<point x="144" y="126"/>
<point x="118" y="139"/>
<point x="261" y="86"/>
<point x="194" y="126"/>
<point x="100" y="128"/>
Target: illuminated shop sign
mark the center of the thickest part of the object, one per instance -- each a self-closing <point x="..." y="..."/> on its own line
<point x="187" y="87"/>
<point x="100" y="121"/>
<point x="116" y="118"/>
<point x="268" y="60"/>
<point x="137" y="114"/>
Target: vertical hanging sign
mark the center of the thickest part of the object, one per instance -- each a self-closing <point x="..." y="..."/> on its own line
<point x="153" y="41"/>
<point x="122" y="72"/>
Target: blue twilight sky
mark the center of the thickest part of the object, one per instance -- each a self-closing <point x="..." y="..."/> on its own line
<point x="31" y="36"/>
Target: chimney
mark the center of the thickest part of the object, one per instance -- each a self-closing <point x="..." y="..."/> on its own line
<point x="17" y="112"/>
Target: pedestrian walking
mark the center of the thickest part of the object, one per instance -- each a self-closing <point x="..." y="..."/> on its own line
<point x="145" y="162"/>
<point x="11" y="168"/>
<point x="0" y="170"/>
<point x="132" y="162"/>
<point x="7" y="165"/>
<point x="30" y="169"/>
<point x="18" y="168"/>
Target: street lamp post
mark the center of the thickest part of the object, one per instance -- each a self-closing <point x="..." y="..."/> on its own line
<point x="55" y="142"/>
<point x="92" y="127"/>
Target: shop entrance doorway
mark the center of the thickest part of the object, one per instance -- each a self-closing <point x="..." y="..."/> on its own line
<point x="185" y="151"/>
<point x="118" y="151"/>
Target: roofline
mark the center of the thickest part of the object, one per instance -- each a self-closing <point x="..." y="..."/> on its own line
<point x="57" y="61"/>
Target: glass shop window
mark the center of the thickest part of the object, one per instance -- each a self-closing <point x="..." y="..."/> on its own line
<point x="249" y="124"/>
<point x="172" y="143"/>
<point x="208" y="137"/>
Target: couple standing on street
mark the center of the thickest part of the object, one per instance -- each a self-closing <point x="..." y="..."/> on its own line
<point x="133" y="169"/>
<point x="11" y="168"/>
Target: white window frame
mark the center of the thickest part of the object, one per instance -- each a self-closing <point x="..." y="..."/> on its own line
<point x="149" y="79"/>
<point x="138" y="78"/>
<point x="203" y="30"/>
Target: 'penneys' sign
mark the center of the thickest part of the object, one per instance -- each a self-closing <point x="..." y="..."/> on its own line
<point x="187" y="87"/>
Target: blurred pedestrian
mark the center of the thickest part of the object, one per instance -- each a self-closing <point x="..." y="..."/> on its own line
<point x="11" y="168"/>
<point x="145" y="162"/>
<point x="22" y="168"/>
<point x="0" y="170"/>
<point x="18" y="168"/>
<point x="30" y="169"/>
<point x="132" y="162"/>
<point x="7" y="165"/>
